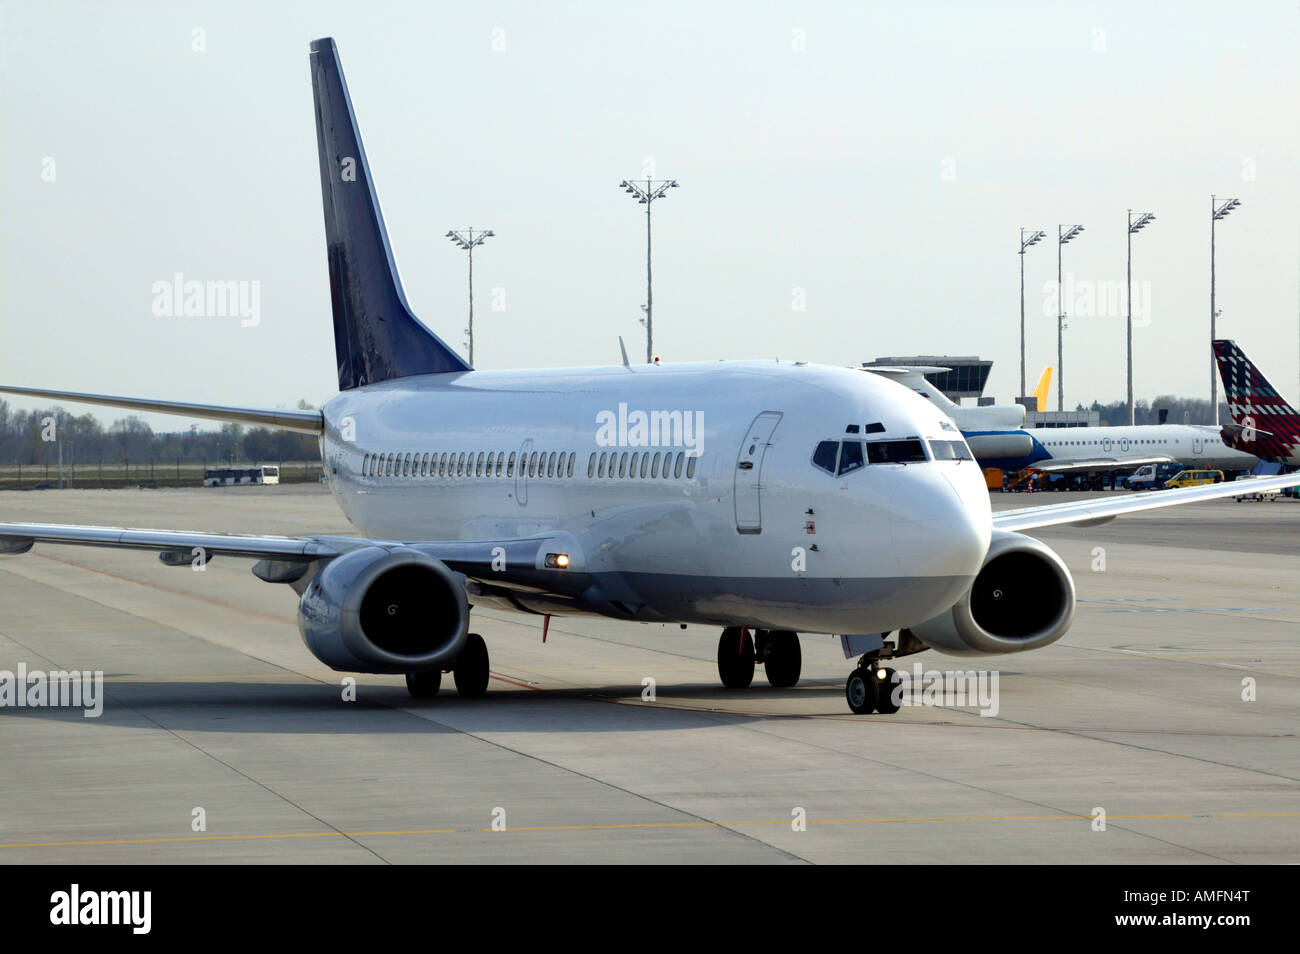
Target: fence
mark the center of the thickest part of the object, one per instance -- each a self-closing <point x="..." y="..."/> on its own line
<point x="138" y="473"/>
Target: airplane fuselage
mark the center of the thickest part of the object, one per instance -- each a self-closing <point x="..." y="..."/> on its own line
<point x="1188" y="444"/>
<point x="751" y="531"/>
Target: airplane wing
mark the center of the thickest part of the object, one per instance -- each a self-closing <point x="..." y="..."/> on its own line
<point x="1087" y="513"/>
<point x="526" y="563"/>
<point x="1096" y="463"/>
<point x="304" y="422"/>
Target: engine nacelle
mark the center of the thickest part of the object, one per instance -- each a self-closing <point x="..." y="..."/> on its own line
<point x="384" y="610"/>
<point x="1022" y="598"/>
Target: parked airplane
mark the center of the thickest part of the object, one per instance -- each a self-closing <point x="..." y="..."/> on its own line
<point x="994" y="432"/>
<point x="1263" y="423"/>
<point x="989" y="416"/>
<point x="1076" y="450"/>
<point x="996" y="442"/>
<point x="766" y="498"/>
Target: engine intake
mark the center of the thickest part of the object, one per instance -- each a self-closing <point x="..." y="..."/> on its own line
<point x="1022" y="598"/>
<point x="385" y="611"/>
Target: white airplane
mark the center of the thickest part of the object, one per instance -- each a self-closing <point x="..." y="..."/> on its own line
<point x="768" y="499"/>
<point x="997" y="439"/>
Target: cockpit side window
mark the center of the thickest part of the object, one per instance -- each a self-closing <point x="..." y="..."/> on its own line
<point x="825" y="455"/>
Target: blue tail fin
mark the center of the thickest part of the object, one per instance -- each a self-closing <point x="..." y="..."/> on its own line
<point x="375" y="335"/>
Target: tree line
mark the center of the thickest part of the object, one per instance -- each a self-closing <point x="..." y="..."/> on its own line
<point x="1181" y="411"/>
<point x="34" y="437"/>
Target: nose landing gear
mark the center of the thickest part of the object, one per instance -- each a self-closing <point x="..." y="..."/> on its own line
<point x="873" y="688"/>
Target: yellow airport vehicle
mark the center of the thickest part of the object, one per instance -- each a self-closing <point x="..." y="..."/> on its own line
<point x="1194" y="478"/>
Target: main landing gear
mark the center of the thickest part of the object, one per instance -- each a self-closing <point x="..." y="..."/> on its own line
<point x="777" y="650"/>
<point x="470" y="672"/>
<point x="873" y="688"/>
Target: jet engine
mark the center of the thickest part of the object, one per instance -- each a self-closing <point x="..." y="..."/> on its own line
<point x="1022" y="598"/>
<point x="383" y="610"/>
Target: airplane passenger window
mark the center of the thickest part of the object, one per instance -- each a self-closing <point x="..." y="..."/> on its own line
<point x="591" y="466"/>
<point x="510" y="465"/>
<point x="677" y="467"/>
<point x="645" y="464"/>
<point x="406" y="466"/>
<point x="532" y="465"/>
<point x="851" y="457"/>
<point x="631" y="470"/>
<point x="487" y="471"/>
<point x="478" y="466"/>
<point x="622" y="464"/>
<point x="825" y="454"/>
<point x="654" y="465"/>
<point x="461" y="469"/>
<point x="573" y="457"/>
<point x="550" y="467"/>
<point x="690" y="466"/>
<point x="600" y="470"/>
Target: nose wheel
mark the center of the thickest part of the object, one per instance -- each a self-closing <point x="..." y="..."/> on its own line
<point x="873" y="689"/>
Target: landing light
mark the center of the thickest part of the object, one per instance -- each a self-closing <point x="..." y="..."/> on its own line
<point x="557" y="561"/>
<point x="880" y="674"/>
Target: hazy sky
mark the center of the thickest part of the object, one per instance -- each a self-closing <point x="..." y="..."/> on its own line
<point x="878" y="157"/>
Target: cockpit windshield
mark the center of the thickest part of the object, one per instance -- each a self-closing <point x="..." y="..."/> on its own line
<point x="843" y="457"/>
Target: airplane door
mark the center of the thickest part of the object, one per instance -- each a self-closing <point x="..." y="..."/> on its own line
<point x="749" y="472"/>
<point x="521" y="473"/>
<point x="1198" y="445"/>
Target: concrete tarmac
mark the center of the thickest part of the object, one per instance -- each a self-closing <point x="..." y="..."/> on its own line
<point x="214" y="708"/>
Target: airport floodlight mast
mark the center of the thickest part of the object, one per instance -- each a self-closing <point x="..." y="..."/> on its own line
<point x="1034" y="238"/>
<point x="467" y="240"/>
<point x="1135" y="225"/>
<point x="646" y="192"/>
<point x="1217" y="211"/>
<point x="1063" y="234"/>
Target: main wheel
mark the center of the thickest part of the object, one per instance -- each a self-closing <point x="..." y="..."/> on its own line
<point x="784" y="659"/>
<point x="471" y="668"/>
<point x="861" y="691"/>
<point x="735" y="658"/>
<point x="888" y="693"/>
<point x="424" y="685"/>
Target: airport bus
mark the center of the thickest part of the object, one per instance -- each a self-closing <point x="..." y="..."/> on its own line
<point x="230" y="476"/>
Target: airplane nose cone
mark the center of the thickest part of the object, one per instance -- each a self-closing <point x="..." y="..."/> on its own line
<point x="940" y="523"/>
